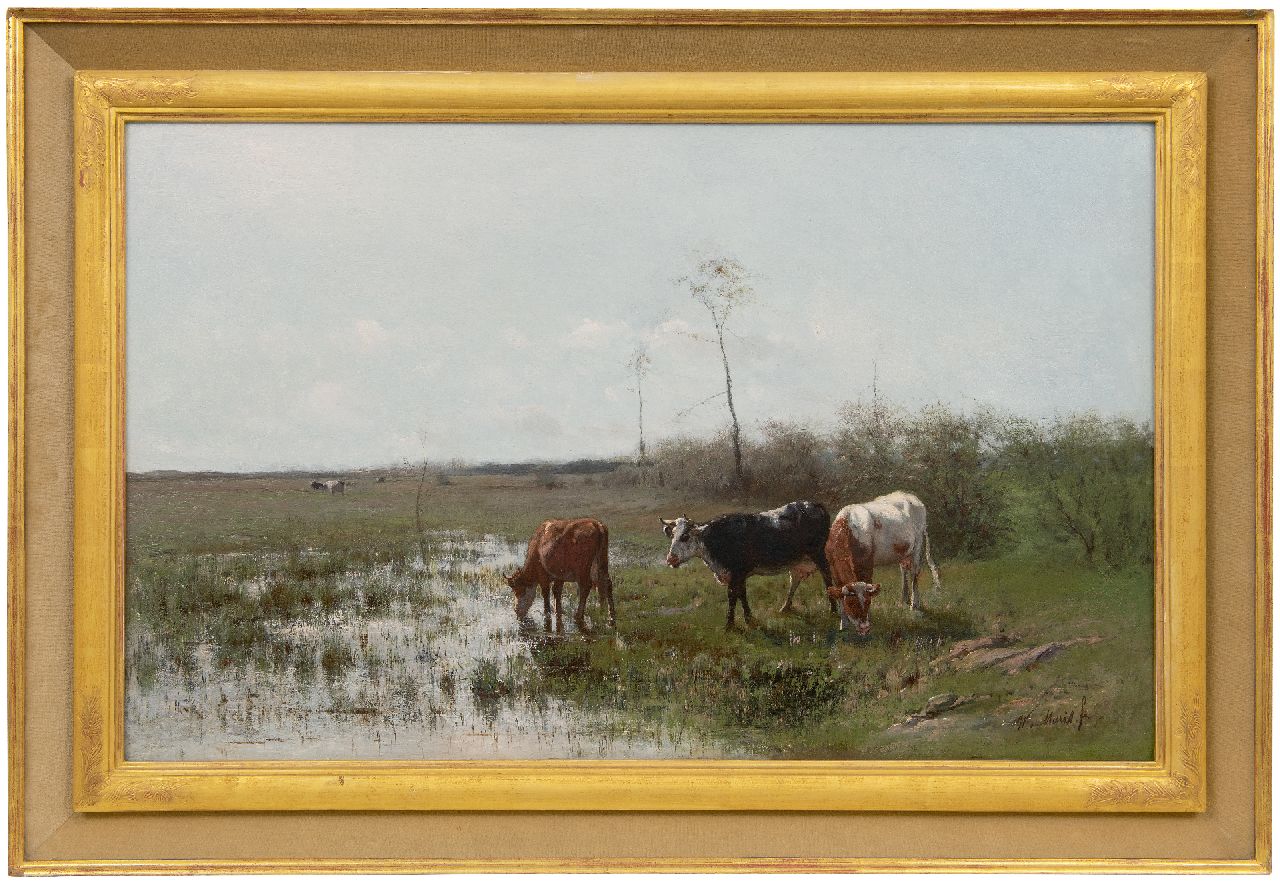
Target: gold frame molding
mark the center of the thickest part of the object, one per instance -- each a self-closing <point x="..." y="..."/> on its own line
<point x="1173" y="102"/>
<point x="23" y="856"/>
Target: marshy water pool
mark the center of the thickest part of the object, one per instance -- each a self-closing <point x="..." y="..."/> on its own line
<point x="297" y="657"/>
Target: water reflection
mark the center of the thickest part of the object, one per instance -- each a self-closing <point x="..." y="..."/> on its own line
<point x="421" y="659"/>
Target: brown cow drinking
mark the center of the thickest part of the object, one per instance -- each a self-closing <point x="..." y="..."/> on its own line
<point x="565" y="551"/>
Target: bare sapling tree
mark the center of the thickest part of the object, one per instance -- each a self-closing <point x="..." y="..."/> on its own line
<point x="639" y="364"/>
<point x="423" y="546"/>
<point x="721" y="285"/>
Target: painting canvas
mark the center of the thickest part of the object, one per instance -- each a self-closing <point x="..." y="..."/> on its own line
<point x="528" y="441"/>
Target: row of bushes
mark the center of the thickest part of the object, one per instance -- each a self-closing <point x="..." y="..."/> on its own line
<point x="990" y="481"/>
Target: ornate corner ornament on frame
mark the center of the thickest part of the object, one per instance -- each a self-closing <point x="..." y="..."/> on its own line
<point x="106" y="102"/>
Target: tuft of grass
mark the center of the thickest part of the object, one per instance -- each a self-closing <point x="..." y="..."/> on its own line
<point x="335" y="657"/>
<point x="488" y="683"/>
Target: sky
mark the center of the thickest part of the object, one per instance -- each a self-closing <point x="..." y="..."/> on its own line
<point x="334" y="295"/>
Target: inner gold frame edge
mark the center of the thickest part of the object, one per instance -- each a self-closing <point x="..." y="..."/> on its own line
<point x="106" y="101"/>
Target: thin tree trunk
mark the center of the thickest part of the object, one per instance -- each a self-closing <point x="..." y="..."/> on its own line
<point x="736" y="432"/>
<point x="640" y="398"/>
<point x="417" y="514"/>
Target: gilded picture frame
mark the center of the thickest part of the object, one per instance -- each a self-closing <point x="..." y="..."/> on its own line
<point x="108" y="101"/>
<point x="1175" y="102"/>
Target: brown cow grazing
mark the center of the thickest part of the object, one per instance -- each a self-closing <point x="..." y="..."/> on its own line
<point x="565" y="551"/>
<point x="849" y="595"/>
<point x="891" y="529"/>
<point x="851" y="588"/>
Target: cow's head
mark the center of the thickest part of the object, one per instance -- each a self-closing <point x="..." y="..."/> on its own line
<point x="525" y="592"/>
<point x="855" y="604"/>
<point x="686" y="540"/>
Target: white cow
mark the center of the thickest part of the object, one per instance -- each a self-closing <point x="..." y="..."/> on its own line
<point x="888" y="529"/>
<point x="335" y="486"/>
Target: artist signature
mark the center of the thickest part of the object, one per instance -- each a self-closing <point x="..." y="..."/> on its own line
<point x="1074" y="717"/>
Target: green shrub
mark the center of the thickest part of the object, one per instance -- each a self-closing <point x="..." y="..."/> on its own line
<point x="948" y="461"/>
<point x="1092" y="481"/>
<point x="790" y="461"/>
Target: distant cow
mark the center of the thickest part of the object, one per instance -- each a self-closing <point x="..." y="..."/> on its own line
<point x="891" y="529"/>
<point x="335" y="486"/>
<point x="317" y="485"/>
<point x="736" y="546"/>
<point x="565" y="551"/>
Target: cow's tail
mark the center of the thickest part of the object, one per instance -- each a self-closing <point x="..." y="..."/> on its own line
<point x="928" y="558"/>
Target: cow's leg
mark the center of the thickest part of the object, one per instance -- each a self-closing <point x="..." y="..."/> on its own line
<point x="746" y="607"/>
<point x="916" y="602"/>
<point x="824" y="566"/>
<point x="797" y="575"/>
<point x="731" y="589"/>
<point x="906" y="589"/>
<point x="606" y="599"/>
<point x="919" y="559"/>
<point x="584" y="591"/>
<point x="557" y="588"/>
<point x="546" y="599"/>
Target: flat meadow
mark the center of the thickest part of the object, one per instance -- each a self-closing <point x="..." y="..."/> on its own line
<point x="268" y="620"/>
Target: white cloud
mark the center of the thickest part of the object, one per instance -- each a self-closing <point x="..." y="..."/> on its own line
<point x="673" y="332"/>
<point x="591" y="334"/>
<point x="371" y="333"/>
<point x="515" y="338"/>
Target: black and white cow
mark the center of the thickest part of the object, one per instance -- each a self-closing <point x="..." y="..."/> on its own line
<point x="735" y="546"/>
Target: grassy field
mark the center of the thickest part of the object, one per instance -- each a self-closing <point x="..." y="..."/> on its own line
<point x="264" y="580"/>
